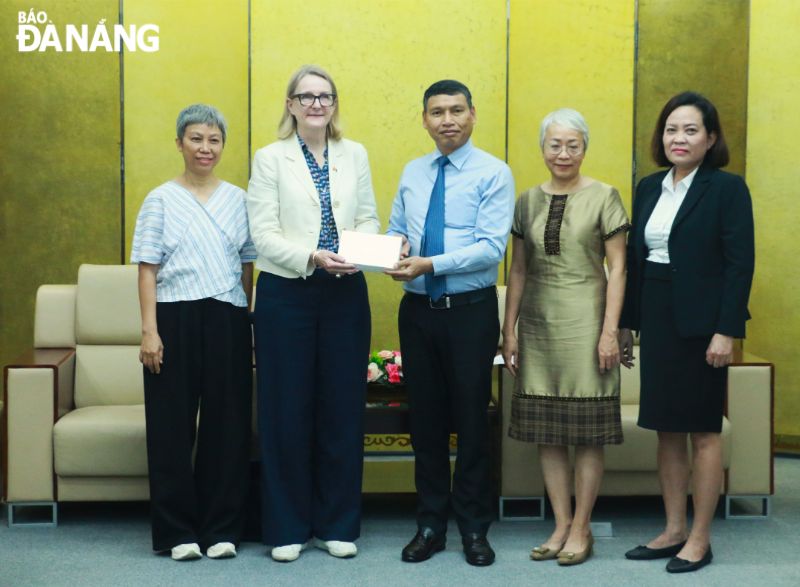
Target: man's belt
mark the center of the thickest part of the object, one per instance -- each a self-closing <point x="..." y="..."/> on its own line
<point x="448" y="301"/>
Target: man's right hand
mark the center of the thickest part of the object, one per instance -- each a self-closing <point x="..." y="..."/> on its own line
<point x="410" y="268"/>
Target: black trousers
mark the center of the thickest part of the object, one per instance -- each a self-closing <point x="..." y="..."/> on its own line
<point x="207" y="363"/>
<point x="312" y="350"/>
<point x="447" y="363"/>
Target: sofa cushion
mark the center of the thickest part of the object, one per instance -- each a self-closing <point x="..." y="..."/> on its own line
<point x="101" y="441"/>
<point x="54" y="321"/>
<point x="107" y="305"/>
<point x="107" y="375"/>
<point x="639" y="450"/>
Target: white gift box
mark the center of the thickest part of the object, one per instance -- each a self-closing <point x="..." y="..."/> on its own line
<point x="370" y="252"/>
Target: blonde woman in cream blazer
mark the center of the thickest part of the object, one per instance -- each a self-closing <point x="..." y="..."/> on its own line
<point x="286" y="206"/>
<point x="312" y="323"/>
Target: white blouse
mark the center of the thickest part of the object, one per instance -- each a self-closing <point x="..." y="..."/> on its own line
<point x="656" y="232"/>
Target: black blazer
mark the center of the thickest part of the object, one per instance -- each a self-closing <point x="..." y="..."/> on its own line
<point x="711" y="252"/>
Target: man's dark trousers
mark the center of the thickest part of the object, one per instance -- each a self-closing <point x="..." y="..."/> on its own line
<point x="447" y="363"/>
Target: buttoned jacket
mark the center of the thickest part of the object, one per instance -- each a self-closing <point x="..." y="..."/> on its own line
<point x="711" y="251"/>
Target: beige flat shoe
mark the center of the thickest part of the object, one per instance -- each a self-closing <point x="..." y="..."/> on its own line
<point x="542" y="553"/>
<point x="566" y="559"/>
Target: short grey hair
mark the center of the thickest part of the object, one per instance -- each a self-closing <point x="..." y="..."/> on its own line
<point x="201" y="114"/>
<point x="568" y="118"/>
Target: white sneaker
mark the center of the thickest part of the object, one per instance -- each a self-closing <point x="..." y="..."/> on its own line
<point x="337" y="548"/>
<point x="186" y="552"/>
<point x="288" y="553"/>
<point x="221" y="550"/>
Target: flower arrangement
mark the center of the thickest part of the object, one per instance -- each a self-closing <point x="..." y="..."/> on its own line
<point x="385" y="367"/>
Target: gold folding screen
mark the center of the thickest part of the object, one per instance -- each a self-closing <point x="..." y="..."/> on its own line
<point x="773" y="126"/>
<point x="61" y="165"/>
<point x="383" y="55"/>
<point x="574" y="54"/>
<point x="690" y="45"/>
<point x="202" y="58"/>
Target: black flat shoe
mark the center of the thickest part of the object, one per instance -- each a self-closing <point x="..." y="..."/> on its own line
<point x="643" y="553"/>
<point x="679" y="565"/>
<point x="423" y="546"/>
<point x="477" y="549"/>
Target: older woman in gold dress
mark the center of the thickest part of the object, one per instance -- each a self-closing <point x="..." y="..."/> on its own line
<point x="560" y="334"/>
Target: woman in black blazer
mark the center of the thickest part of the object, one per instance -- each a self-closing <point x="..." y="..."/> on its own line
<point x="690" y="266"/>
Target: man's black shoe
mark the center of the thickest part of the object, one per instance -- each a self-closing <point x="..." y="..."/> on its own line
<point x="423" y="546"/>
<point x="477" y="549"/>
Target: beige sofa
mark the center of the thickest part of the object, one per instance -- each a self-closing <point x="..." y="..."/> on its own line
<point x="74" y="418"/>
<point x="631" y="467"/>
<point x="74" y="415"/>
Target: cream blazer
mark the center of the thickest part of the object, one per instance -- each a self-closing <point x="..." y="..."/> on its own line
<point x="283" y="205"/>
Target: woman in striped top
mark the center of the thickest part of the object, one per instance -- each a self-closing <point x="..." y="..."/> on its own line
<point x="195" y="259"/>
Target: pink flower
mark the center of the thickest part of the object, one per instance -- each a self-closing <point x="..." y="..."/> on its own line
<point x="386" y="355"/>
<point x="393" y="371"/>
<point x="373" y="372"/>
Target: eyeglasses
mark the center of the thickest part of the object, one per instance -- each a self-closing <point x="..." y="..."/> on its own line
<point x="556" y="148"/>
<point x="306" y="100"/>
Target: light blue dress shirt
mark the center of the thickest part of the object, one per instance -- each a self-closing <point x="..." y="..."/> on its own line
<point x="478" y="211"/>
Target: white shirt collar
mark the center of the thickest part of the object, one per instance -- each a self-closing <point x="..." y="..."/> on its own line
<point x="683" y="185"/>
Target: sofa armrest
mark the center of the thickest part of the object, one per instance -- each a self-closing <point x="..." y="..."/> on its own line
<point x="750" y="408"/>
<point x="38" y="390"/>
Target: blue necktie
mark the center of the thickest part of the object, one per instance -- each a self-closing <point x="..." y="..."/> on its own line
<point x="433" y="239"/>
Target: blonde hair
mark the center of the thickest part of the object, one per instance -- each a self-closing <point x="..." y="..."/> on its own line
<point x="288" y="124"/>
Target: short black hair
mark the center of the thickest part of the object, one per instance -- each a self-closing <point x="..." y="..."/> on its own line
<point x="450" y="87"/>
<point x="717" y="156"/>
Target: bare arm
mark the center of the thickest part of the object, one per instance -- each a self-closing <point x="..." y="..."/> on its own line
<point x="608" y="350"/>
<point x="514" y="289"/>
<point x="151" y="353"/>
<point x="247" y="284"/>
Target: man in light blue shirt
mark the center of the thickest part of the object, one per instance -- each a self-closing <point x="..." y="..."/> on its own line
<point x="454" y="208"/>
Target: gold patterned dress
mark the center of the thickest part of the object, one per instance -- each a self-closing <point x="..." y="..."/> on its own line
<point x="560" y="396"/>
